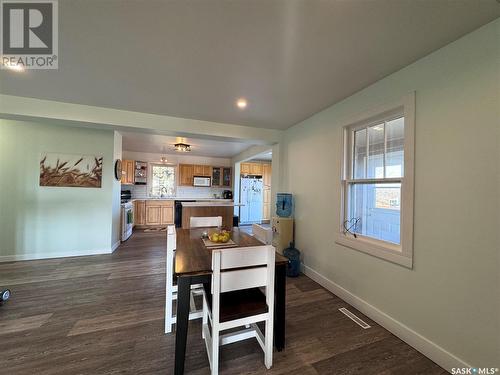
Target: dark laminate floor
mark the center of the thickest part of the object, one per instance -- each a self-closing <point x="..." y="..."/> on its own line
<point x="104" y="315"/>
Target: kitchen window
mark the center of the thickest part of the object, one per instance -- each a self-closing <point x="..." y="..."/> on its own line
<point x="377" y="183"/>
<point x="162" y="180"/>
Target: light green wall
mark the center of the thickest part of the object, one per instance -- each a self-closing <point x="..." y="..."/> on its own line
<point x="116" y="224"/>
<point x="451" y="297"/>
<point x="42" y="222"/>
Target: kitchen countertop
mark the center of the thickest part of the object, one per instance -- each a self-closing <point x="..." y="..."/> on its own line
<point x="210" y="204"/>
<point x="183" y="199"/>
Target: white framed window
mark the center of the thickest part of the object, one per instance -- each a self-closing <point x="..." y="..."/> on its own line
<point x="162" y="182"/>
<point x="377" y="182"/>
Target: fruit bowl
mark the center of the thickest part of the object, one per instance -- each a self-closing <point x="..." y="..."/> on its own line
<point x="220" y="237"/>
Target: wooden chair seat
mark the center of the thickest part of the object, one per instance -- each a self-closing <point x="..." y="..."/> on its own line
<point x="239" y="304"/>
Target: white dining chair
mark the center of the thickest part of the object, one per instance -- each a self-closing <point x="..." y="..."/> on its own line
<point x="236" y="300"/>
<point x="171" y="287"/>
<point x="199" y="222"/>
<point x="264" y="235"/>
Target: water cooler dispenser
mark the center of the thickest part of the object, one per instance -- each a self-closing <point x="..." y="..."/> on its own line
<point x="282" y="223"/>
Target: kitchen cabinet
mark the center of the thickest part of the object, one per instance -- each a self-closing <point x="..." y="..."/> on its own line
<point x="159" y="212"/>
<point x="186" y="173"/>
<point x="128" y="172"/>
<point x="139" y="212"/>
<point x="226" y="177"/>
<point x="166" y="215"/>
<point x="245" y="168"/>
<point x="221" y="177"/>
<point x="266" y="214"/>
<point x="266" y="174"/>
<point x="153" y="215"/>
<point x="202" y="170"/>
<point x="216" y="176"/>
<point x="256" y="169"/>
<point x="266" y="199"/>
<point x="266" y="203"/>
<point x="251" y="168"/>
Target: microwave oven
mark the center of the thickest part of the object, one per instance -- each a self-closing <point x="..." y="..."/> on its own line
<point x="202" y="181"/>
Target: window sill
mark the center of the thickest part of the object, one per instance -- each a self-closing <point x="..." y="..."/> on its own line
<point x="386" y="251"/>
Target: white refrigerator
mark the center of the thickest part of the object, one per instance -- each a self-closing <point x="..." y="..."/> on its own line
<point x="251" y="198"/>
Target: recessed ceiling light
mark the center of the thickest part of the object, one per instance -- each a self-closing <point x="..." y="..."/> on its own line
<point x="241" y="103"/>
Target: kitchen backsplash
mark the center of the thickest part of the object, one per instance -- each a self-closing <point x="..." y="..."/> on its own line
<point x="141" y="191"/>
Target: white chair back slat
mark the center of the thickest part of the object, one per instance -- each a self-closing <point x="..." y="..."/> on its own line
<point x="171" y="239"/>
<point x="200" y="222"/>
<point x="264" y="235"/>
<point x="171" y="246"/>
<point x="243" y="279"/>
<point x="244" y="257"/>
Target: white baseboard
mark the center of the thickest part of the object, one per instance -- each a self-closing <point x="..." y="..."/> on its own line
<point x="35" y="256"/>
<point x="115" y="246"/>
<point x="428" y="348"/>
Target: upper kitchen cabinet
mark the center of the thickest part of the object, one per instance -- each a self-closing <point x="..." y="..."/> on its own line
<point x="251" y="168"/>
<point x="226" y="177"/>
<point x="266" y="174"/>
<point x="245" y="168"/>
<point x="202" y="170"/>
<point x="128" y="172"/>
<point x="186" y="173"/>
<point x="221" y="176"/>
<point x="141" y="173"/>
<point x="216" y="176"/>
<point x="256" y="169"/>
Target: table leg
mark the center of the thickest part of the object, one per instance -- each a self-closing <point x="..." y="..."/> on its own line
<point x="181" y="327"/>
<point x="279" y="306"/>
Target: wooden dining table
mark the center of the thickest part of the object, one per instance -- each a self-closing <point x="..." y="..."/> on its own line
<point x="193" y="265"/>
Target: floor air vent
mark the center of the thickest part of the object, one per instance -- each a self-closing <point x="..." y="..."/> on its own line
<point x="354" y="318"/>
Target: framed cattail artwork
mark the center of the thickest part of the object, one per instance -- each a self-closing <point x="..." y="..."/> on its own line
<point x="69" y="170"/>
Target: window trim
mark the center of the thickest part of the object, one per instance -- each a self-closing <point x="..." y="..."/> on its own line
<point x="400" y="254"/>
<point x="150" y="176"/>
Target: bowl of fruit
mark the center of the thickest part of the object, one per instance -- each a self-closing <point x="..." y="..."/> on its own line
<point x="222" y="236"/>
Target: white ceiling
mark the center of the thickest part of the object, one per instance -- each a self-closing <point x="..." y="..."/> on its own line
<point x="266" y="156"/>
<point x="161" y="144"/>
<point x="193" y="58"/>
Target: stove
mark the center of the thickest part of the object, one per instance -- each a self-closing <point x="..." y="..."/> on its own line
<point x="125" y="196"/>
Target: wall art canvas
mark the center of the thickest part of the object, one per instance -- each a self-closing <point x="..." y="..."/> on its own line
<point x="68" y="170"/>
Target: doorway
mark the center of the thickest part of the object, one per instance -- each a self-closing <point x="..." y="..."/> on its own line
<point x="255" y="190"/>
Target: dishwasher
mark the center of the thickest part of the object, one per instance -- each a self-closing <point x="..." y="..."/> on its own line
<point x="178" y="212"/>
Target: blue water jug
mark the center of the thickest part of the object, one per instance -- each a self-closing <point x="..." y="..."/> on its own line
<point x="284" y="205"/>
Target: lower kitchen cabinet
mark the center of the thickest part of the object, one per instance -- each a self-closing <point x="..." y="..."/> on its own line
<point x="153" y="215"/>
<point x="153" y="212"/>
<point x="167" y="215"/>
<point x="139" y="212"/>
